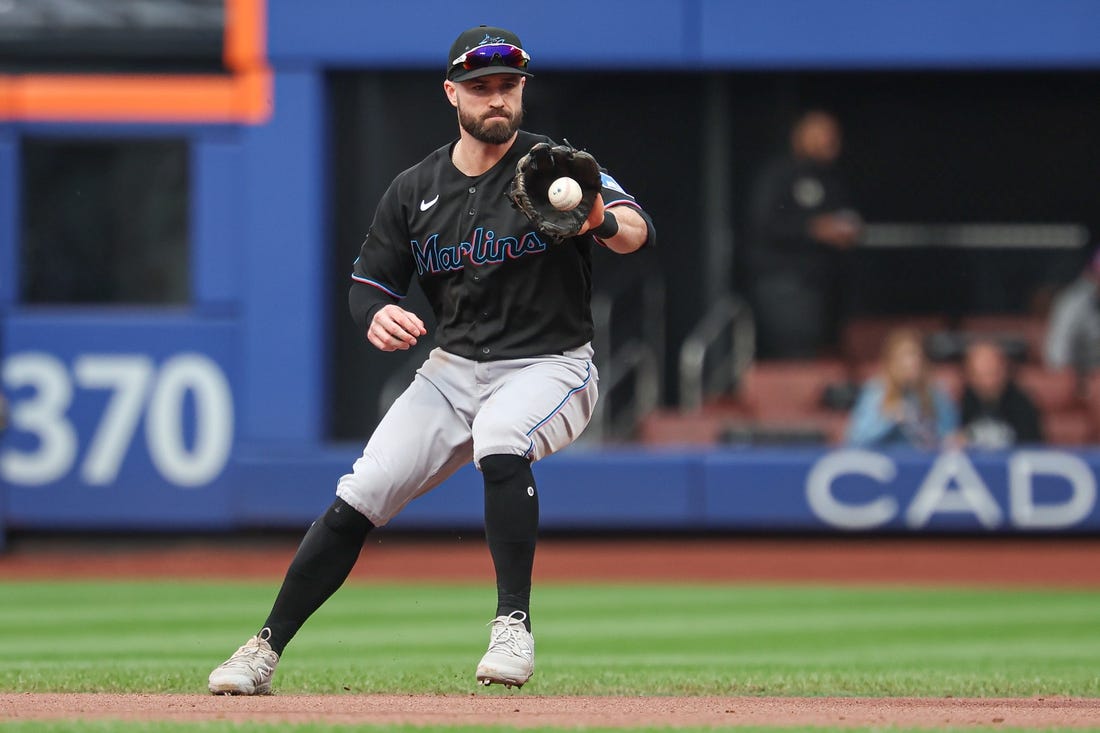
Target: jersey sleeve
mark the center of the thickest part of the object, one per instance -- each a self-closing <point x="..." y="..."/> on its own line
<point x="384" y="268"/>
<point x="615" y="195"/>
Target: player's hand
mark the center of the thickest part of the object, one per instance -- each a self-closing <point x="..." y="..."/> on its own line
<point x="395" y="329"/>
<point x="595" y="217"/>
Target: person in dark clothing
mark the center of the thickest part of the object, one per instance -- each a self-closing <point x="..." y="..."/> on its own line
<point x="801" y="223"/>
<point x="996" y="413"/>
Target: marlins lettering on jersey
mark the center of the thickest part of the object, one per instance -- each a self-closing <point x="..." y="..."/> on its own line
<point x="484" y="248"/>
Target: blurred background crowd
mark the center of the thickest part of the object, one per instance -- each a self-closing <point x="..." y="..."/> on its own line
<point x="856" y="338"/>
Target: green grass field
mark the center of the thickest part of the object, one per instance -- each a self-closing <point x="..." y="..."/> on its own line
<point x="628" y="640"/>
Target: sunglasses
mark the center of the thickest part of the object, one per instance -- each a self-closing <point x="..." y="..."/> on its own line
<point x="493" y="54"/>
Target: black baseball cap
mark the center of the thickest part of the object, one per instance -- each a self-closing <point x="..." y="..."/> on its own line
<point x="486" y="50"/>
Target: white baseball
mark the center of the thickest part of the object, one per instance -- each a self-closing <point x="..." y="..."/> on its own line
<point x="564" y="193"/>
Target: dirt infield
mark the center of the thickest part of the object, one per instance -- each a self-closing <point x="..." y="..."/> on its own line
<point x="1059" y="562"/>
<point x="938" y="561"/>
<point x="568" y="712"/>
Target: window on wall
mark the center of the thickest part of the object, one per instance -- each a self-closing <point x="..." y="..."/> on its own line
<point x="104" y="221"/>
<point x="164" y="36"/>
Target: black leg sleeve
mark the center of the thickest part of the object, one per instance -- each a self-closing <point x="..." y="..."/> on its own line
<point x="511" y="528"/>
<point x="321" y="565"/>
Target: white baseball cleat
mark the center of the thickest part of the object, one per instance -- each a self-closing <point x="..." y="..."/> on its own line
<point x="249" y="670"/>
<point x="510" y="659"/>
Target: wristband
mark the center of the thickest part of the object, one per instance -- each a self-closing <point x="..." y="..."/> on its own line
<point x="608" y="229"/>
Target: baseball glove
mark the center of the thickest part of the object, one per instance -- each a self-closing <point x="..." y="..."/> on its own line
<point x="541" y="166"/>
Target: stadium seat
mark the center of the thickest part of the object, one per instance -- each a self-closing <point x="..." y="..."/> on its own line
<point x="784" y="400"/>
<point x="1069" y="427"/>
<point x="782" y="390"/>
<point x="775" y="403"/>
<point x="672" y="427"/>
<point x="1059" y="396"/>
<point x="1090" y="395"/>
<point x="1052" y="390"/>
<point x="861" y="338"/>
<point x="1028" y="330"/>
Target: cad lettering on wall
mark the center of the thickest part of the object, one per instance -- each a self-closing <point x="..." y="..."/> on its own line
<point x="952" y="486"/>
<point x="182" y="406"/>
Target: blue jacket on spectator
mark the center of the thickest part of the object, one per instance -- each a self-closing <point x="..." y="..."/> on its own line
<point x="871" y="427"/>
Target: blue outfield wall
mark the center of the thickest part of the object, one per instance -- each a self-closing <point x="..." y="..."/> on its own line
<point x="789" y="490"/>
<point x="693" y="34"/>
<point x="775" y="490"/>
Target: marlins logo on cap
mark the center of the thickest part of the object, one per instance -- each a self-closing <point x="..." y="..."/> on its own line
<point x="486" y="50"/>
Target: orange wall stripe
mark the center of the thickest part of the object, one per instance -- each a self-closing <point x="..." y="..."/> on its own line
<point x="245" y="38"/>
<point x="245" y="96"/>
<point x="255" y="95"/>
<point x="132" y="98"/>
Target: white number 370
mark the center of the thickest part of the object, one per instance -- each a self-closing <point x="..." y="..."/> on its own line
<point x="137" y="386"/>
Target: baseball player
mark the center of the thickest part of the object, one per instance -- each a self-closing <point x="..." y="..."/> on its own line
<point x="512" y="379"/>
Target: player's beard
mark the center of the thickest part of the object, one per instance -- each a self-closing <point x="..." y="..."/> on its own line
<point x="492" y="128"/>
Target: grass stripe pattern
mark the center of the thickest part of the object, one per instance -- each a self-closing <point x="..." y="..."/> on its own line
<point x="637" y="639"/>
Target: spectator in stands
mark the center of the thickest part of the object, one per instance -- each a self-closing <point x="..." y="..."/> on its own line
<point x="801" y="222"/>
<point x="903" y="406"/>
<point x="996" y="413"/>
<point x="1073" y="331"/>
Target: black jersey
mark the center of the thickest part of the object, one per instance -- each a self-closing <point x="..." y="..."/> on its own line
<point x="498" y="288"/>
